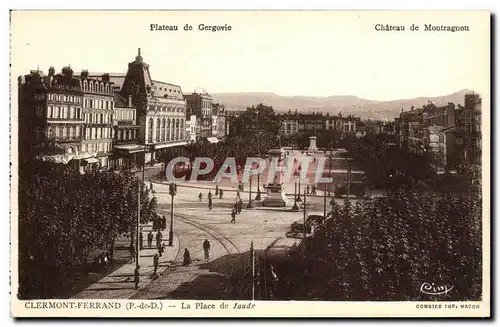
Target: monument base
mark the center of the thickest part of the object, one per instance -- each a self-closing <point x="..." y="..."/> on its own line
<point x="276" y="197"/>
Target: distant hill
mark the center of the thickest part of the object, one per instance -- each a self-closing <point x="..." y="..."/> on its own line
<point x="347" y="104"/>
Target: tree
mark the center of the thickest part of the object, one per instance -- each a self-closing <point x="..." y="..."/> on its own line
<point x="63" y="216"/>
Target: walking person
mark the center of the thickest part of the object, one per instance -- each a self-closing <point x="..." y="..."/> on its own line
<point x="220" y="193"/>
<point x="237" y="193"/>
<point x="200" y="196"/>
<point x="217" y="189"/>
<point x="159" y="238"/>
<point x="209" y="195"/>
<point x="150" y="239"/>
<point x="132" y="252"/>
<point x="206" y="250"/>
<point x="233" y="216"/>
<point x="187" y="257"/>
<point x="156" y="261"/>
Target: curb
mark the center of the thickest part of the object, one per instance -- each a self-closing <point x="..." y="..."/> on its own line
<point x="202" y="187"/>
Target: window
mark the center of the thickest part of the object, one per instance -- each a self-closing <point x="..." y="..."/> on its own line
<point x="150" y="130"/>
<point x="158" y="130"/>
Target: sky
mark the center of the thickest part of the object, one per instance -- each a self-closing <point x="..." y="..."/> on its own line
<point x="302" y="53"/>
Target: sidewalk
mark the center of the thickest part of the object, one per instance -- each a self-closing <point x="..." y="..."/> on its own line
<point x="120" y="283"/>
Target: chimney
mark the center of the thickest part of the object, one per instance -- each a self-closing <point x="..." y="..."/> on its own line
<point x="84" y="74"/>
<point x="105" y="78"/>
<point x="130" y="100"/>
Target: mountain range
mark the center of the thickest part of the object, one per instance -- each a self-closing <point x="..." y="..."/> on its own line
<point x="346" y="104"/>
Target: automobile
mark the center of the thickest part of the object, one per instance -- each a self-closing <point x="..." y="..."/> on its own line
<point x="357" y="188"/>
<point x="298" y="227"/>
<point x="311" y="219"/>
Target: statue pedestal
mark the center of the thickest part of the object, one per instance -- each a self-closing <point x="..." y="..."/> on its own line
<point x="312" y="146"/>
<point x="275" y="196"/>
<point x="275" y="193"/>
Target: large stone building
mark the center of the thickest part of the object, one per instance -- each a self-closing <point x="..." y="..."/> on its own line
<point x="161" y="109"/>
<point x="127" y="148"/>
<point x="51" y="118"/>
<point x="468" y="123"/>
<point x="199" y="103"/>
<point x="98" y="107"/>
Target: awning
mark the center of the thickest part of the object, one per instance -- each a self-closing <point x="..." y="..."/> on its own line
<point x="91" y="160"/>
<point x="169" y="145"/>
<point x="213" y="139"/>
<point x="130" y="148"/>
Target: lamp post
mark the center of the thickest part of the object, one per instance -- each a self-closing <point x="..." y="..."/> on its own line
<point x="295" y="206"/>
<point x="172" y="192"/>
<point x="298" y="195"/>
<point x="258" y="196"/>
<point x="250" y="204"/>
<point x="138" y="245"/>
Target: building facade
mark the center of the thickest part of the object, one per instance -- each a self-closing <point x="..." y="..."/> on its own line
<point x="199" y="103"/>
<point x="161" y="109"/>
<point x="128" y="152"/>
<point x="51" y="116"/>
<point x="98" y="106"/>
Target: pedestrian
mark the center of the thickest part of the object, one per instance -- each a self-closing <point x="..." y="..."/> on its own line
<point x="237" y="193"/>
<point x="132" y="252"/>
<point x="200" y="196"/>
<point x="216" y="189"/>
<point x="220" y="194"/>
<point x="161" y="248"/>
<point x="159" y="238"/>
<point x="209" y="195"/>
<point x="187" y="257"/>
<point x="210" y="204"/>
<point x="240" y="205"/>
<point x="233" y="216"/>
<point x="273" y="282"/>
<point x="206" y="250"/>
<point x="156" y="261"/>
<point x="141" y="240"/>
<point x="150" y="239"/>
<point x="136" y="278"/>
<point x="313" y="190"/>
<point x="307" y="189"/>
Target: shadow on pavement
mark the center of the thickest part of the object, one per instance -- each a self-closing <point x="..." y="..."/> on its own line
<point x="228" y="279"/>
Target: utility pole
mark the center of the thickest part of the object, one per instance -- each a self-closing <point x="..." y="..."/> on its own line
<point x="252" y="257"/>
<point x="173" y="192"/>
<point x="324" y="202"/>
<point x="348" y="180"/>
<point x="305" y="214"/>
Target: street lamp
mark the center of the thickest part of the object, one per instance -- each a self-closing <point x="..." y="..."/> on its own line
<point x="295" y="206"/>
<point x="250" y="204"/>
<point x="172" y="192"/>
<point x="298" y="195"/>
<point x="258" y="197"/>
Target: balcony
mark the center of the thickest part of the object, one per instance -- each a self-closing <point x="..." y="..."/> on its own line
<point x="67" y="139"/>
